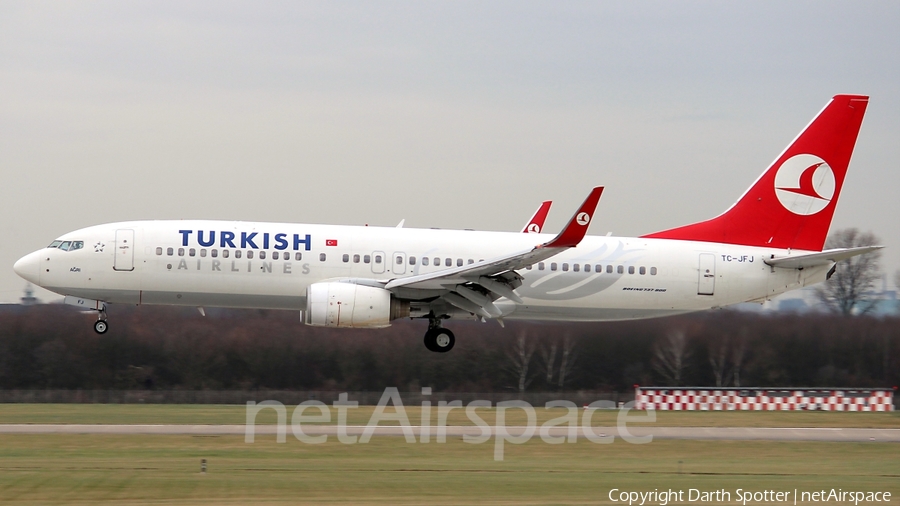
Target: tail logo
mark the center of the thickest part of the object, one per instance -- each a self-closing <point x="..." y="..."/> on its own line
<point x="583" y="219"/>
<point x="534" y="228"/>
<point x="804" y="184"/>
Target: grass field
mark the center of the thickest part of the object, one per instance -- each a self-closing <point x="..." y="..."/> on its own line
<point x="236" y="414"/>
<point x="92" y="469"/>
<point x="152" y="469"/>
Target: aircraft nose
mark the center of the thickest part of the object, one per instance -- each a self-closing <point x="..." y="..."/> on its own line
<point x="29" y="267"/>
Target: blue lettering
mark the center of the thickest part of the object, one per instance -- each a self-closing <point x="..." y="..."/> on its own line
<point x="210" y="242"/>
<point x="248" y="239"/>
<point x="298" y="241"/>
<point x="280" y="241"/>
<point x="266" y="240"/>
<point x="227" y="240"/>
<point x="184" y="236"/>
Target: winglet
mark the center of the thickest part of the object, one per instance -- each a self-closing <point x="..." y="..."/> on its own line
<point x="578" y="225"/>
<point x="536" y="223"/>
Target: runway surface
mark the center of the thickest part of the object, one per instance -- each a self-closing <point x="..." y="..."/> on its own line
<point x="694" y="433"/>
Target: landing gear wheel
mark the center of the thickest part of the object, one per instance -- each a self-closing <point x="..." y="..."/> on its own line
<point x="100" y="326"/>
<point x="439" y="340"/>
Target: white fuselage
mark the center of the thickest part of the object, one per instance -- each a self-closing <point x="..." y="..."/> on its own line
<point x="223" y="264"/>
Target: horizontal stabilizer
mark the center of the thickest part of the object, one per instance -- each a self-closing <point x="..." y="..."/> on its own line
<point x="816" y="259"/>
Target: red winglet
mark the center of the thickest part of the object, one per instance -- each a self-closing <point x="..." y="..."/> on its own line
<point x="578" y="225"/>
<point x="536" y="223"/>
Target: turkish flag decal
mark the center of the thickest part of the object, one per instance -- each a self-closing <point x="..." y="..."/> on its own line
<point x="330" y="242"/>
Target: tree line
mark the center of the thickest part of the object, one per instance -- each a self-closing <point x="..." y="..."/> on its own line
<point x="54" y="346"/>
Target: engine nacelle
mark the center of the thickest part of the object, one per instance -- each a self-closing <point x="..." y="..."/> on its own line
<point x="352" y="306"/>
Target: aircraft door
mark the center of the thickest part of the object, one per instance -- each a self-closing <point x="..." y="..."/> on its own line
<point x="398" y="265"/>
<point x="124" y="260"/>
<point x="706" y="283"/>
<point x="378" y="261"/>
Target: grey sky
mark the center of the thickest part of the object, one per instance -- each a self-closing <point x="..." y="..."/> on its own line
<point x="456" y="115"/>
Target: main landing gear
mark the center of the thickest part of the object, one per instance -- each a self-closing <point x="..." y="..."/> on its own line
<point x="438" y="339"/>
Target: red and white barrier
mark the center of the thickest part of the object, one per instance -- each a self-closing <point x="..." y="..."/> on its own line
<point x="763" y="399"/>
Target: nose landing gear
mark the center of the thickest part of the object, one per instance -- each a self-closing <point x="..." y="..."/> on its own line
<point x="100" y="326"/>
<point x="89" y="306"/>
<point x="438" y="339"/>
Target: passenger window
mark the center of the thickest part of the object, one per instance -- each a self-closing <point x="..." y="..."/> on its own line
<point x="275" y="255"/>
<point x="214" y="253"/>
<point x="298" y="256"/>
<point x="437" y="262"/>
<point x="192" y="252"/>
<point x="262" y="255"/>
<point x="321" y="257"/>
<point x="609" y="269"/>
<point x="356" y="259"/>
<point x="65" y="246"/>
<point x="377" y="259"/>
<point x="565" y="267"/>
<point x="76" y="245"/>
<point x="553" y="266"/>
<point x="366" y="258"/>
<point x="345" y="258"/>
<point x="459" y="262"/>
<point x="250" y="254"/>
<point x="425" y="261"/>
<point x="587" y="267"/>
<point x="471" y="261"/>
<point x="203" y="253"/>
<point x="575" y="267"/>
<point x="412" y="260"/>
<point x="159" y="251"/>
<point x="653" y="271"/>
<point x="225" y="253"/>
<point x="643" y="270"/>
<point x="237" y="253"/>
<point x="527" y="267"/>
<point x="181" y="252"/>
<point x="399" y="260"/>
<point x="448" y="262"/>
<point x="620" y="269"/>
<point x="630" y="269"/>
<point x="170" y="251"/>
<point x="540" y="266"/>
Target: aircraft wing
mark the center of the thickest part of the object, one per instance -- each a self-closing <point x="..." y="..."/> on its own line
<point x="480" y="272"/>
<point x="536" y="223"/>
<point x="816" y="259"/>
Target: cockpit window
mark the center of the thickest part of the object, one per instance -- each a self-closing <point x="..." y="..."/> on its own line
<point x="67" y="245"/>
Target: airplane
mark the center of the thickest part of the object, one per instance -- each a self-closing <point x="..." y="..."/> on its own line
<point x="769" y="242"/>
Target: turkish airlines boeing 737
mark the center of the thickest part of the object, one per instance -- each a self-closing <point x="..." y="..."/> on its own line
<point x="770" y="241"/>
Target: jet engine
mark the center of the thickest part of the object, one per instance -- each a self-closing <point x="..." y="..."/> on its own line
<point x="348" y="305"/>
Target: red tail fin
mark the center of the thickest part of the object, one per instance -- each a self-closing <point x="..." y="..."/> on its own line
<point x="792" y="203"/>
